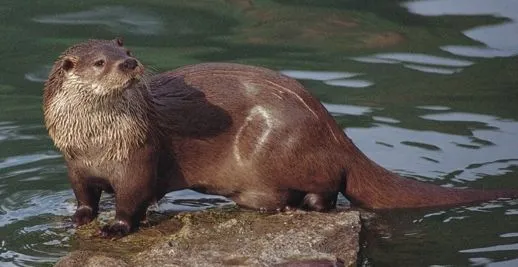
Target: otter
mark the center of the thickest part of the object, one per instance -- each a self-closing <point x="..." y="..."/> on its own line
<point x="247" y="133"/>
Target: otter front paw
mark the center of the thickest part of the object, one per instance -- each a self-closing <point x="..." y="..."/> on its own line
<point x="116" y="229"/>
<point x="83" y="215"/>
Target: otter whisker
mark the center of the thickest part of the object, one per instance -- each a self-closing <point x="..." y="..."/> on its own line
<point x="149" y="73"/>
<point x="152" y="70"/>
<point x="144" y="80"/>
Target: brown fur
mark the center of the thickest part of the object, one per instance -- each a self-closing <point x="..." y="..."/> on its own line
<point x="243" y="132"/>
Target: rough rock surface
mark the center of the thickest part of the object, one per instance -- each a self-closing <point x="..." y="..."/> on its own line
<point x="228" y="237"/>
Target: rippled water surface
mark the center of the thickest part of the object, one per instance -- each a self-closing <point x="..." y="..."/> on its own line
<point x="428" y="89"/>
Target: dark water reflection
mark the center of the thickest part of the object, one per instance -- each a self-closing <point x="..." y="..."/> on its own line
<point x="116" y="18"/>
<point x="500" y="40"/>
<point x="425" y="88"/>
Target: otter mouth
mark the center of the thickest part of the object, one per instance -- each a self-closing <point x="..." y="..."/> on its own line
<point x="131" y="82"/>
<point x="135" y="78"/>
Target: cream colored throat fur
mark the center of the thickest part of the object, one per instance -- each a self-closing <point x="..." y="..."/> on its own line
<point x="84" y="124"/>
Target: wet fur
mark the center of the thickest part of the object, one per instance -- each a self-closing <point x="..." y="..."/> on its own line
<point x="244" y="132"/>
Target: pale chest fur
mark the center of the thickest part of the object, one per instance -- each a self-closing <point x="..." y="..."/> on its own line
<point x="97" y="129"/>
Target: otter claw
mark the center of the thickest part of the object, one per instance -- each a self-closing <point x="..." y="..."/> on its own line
<point x="116" y="229"/>
<point x="83" y="215"/>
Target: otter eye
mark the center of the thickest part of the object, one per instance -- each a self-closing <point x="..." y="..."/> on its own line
<point x="99" y="63"/>
<point x="128" y="53"/>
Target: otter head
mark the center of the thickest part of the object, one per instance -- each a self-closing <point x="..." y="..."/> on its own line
<point x="95" y="68"/>
<point x="91" y="101"/>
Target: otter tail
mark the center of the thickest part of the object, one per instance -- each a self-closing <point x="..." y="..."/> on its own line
<point x="371" y="186"/>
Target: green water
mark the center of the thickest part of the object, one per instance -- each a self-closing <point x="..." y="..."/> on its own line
<point x="428" y="89"/>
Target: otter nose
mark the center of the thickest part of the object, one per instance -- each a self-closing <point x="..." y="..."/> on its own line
<point x="128" y="64"/>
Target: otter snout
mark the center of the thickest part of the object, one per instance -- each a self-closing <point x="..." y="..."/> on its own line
<point x="128" y="64"/>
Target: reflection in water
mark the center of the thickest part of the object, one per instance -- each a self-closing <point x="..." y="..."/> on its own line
<point x="40" y="75"/>
<point x="433" y="154"/>
<point x="490" y="252"/>
<point x="421" y="62"/>
<point x="340" y="109"/>
<point x="507" y="263"/>
<point x="425" y="59"/>
<point x="374" y="60"/>
<point x="462" y="116"/>
<point x="189" y="200"/>
<point x="19" y="259"/>
<point x="433" y="107"/>
<point x="11" y="131"/>
<point x="318" y="75"/>
<point x="509" y="235"/>
<point x="329" y="78"/>
<point x="489" y="150"/>
<point x="385" y="119"/>
<point x="512" y="212"/>
<point x="25" y="159"/>
<point x="503" y="245"/>
<point x="353" y="83"/>
<point x="118" y="19"/>
<point x="492" y="248"/>
<point x="24" y="204"/>
<point x="52" y="231"/>
<point x="432" y="69"/>
<point x="474" y="51"/>
<point x="502" y="39"/>
<point x="32" y="231"/>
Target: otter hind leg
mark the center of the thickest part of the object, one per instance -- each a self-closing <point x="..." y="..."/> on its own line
<point x="269" y="200"/>
<point x="286" y="200"/>
<point x="320" y="201"/>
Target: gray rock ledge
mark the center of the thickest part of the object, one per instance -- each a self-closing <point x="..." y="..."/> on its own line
<point x="227" y="237"/>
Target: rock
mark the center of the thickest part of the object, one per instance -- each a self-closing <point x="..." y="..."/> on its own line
<point x="90" y="259"/>
<point x="229" y="237"/>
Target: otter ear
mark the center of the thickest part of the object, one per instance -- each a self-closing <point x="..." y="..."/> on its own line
<point x="119" y="41"/>
<point x="68" y="63"/>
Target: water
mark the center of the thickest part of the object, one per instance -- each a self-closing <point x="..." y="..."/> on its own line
<point x="425" y="88"/>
